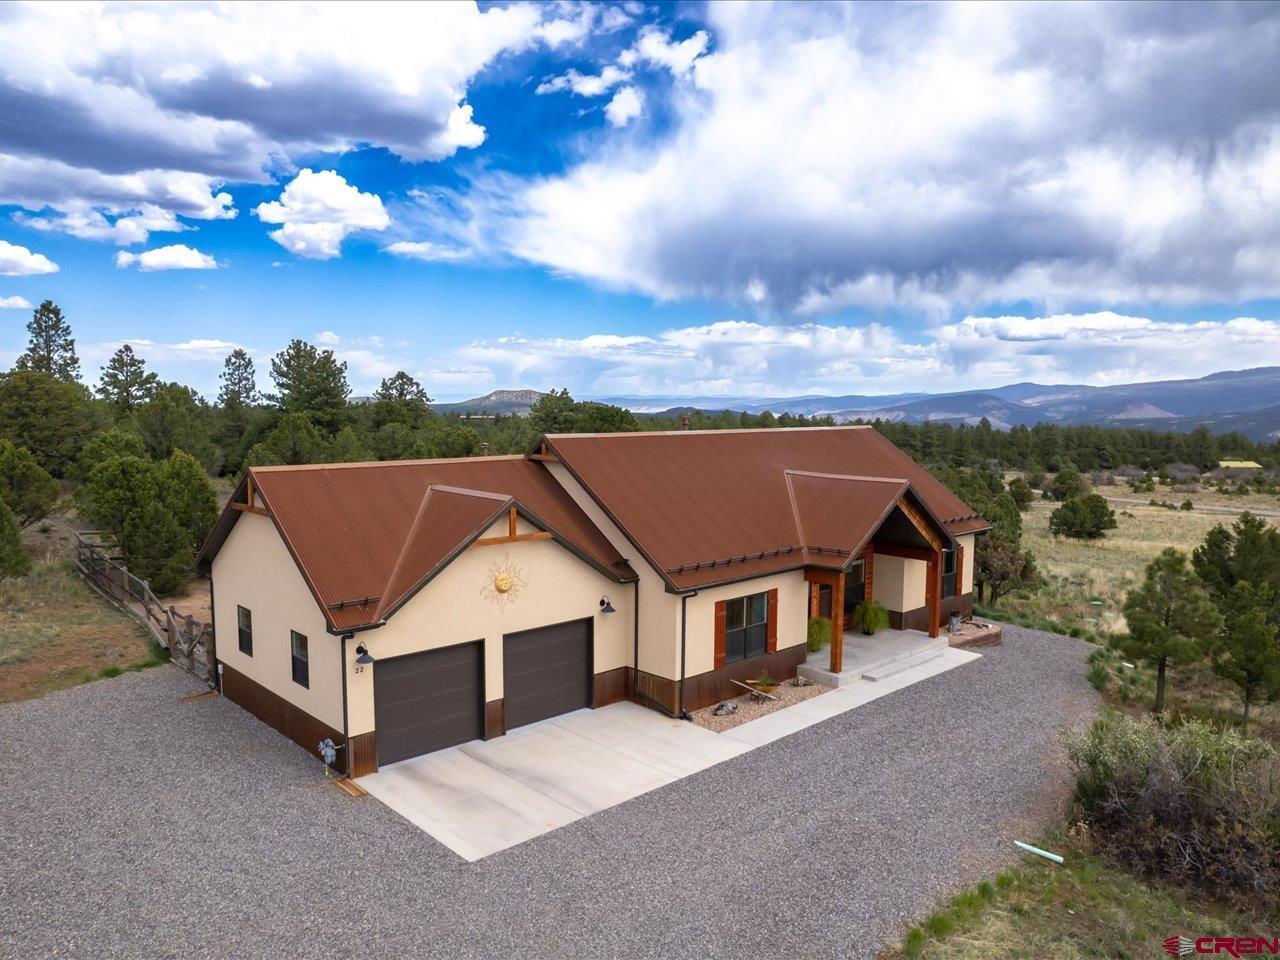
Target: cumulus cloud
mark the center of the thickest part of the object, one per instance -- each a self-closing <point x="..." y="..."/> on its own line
<point x="106" y="109"/>
<point x="938" y="157"/>
<point x="427" y="251"/>
<point x="177" y="256"/>
<point x="17" y="261"/>
<point x="584" y="85"/>
<point x="15" y="303"/>
<point x="626" y="105"/>
<point x="655" y="47"/>
<point x="317" y="211"/>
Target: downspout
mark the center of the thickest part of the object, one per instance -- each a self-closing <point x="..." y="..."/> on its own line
<point x="346" y="739"/>
<point x="681" y="713"/>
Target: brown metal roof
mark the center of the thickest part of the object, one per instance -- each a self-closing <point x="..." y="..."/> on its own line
<point x="365" y="535"/>
<point x="713" y="506"/>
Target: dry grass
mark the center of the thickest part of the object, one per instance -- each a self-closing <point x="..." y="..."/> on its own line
<point x="1084" y="908"/>
<point x="55" y="632"/>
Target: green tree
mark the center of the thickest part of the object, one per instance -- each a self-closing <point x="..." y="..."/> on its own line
<point x="1248" y="651"/>
<point x="105" y="444"/>
<point x="1000" y="565"/>
<point x="113" y="489"/>
<point x="14" y="559"/>
<point x="1021" y="493"/>
<point x="1067" y="483"/>
<point x="312" y="382"/>
<point x="1171" y="618"/>
<point x="452" y="442"/>
<point x="188" y="495"/>
<point x="125" y="382"/>
<point x="25" y="485"/>
<point x="604" y="418"/>
<point x="394" y="441"/>
<point x="1083" y="518"/>
<point x="156" y="548"/>
<point x="554" y="412"/>
<point x="294" y="440"/>
<point x="51" y="348"/>
<point x="400" y="399"/>
<point x="175" y="419"/>
<point x="50" y="417"/>
<point x="1247" y="553"/>
<point x="236" y="401"/>
<point x="347" y="447"/>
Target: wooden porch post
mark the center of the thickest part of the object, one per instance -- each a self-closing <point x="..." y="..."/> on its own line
<point x="933" y="593"/>
<point x="837" y="624"/>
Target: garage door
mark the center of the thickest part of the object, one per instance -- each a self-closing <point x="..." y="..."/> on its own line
<point x="428" y="701"/>
<point x="546" y="672"/>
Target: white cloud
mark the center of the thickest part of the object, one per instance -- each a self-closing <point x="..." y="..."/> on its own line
<point x="626" y="105"/>
<point x="585" y="85"/>
<point x="177" y="256"/>
<point x="17" y="261"/>
<point x="90" y="223"/>
<point x="327" y="338"/>
<point x="935" y="157"/>
<point x="161" y="104"/>
<point x="426" y="251"/>
<point x="317" y="211"/>
<point x="15" y="303"/>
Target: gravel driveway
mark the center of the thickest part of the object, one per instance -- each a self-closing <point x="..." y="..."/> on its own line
<point x="135" y="826"/>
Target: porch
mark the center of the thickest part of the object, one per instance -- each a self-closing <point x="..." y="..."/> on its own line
<point x="874" y="658"/>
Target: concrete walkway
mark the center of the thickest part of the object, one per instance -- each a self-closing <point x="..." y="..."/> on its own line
<point x="486" y="796"/>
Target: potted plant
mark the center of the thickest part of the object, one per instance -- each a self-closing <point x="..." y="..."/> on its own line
<point x="819" y="634"/>
<point x="869" y="616"/>
<point x="764" y="683"/>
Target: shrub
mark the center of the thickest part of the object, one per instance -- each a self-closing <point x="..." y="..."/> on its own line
<point x="14" y="561"/>
<point x="819" y="634"/>
<point x="1185" y="803"/>
<point x="1068" y="483"/>
<point x="1022" y="493"/>
<point x="1085" y="518"/>
<point x="25" y="486"/>
<point x="1187" y="505"/>
<point x="869" y="616"/>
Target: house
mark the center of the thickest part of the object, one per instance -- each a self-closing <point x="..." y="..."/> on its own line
<point x="401" y="607"/>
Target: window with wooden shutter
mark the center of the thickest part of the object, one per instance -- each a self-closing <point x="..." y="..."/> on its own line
<point x="772" y="642"/>
<point x="720" y="631"/>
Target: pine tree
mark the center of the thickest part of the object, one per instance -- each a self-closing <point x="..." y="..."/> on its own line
<point x="1171" y="618"/>
<point x="14" y="560"/>
<point x="312" y="382"/>
<point x="1248" y="652"/>
<point x="50" y="417"/>
<point x="24" y="485"/>
<point x="156" y="548"/>
<point x="125" y="382"/>
<point x="400" y="399"/>
<point x="51" y="348"/>
<point x="239" y="381"/>
<point x="188" y="494"/>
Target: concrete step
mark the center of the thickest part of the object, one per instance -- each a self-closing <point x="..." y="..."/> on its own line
<point x="888" y="668"/>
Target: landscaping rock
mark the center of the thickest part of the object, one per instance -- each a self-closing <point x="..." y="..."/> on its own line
<point x="725" y="709"/>
<point x="799" y="681"/>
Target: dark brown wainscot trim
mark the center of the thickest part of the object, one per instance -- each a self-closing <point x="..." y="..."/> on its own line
<point x="276" y="712"/>
<point x="918" y="619"/>
<point x="363" y="754"/>
<point x="495" y="718"/>
<point x="716" y="685"/>
<point x="610" y="686"/>
<point x="652" y="688"/>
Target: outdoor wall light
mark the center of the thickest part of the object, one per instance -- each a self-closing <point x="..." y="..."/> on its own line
<point x="605" y="605"/>
<point x="362" y="655"/>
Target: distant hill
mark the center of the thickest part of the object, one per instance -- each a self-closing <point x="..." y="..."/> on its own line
<point x="515" y="402"/>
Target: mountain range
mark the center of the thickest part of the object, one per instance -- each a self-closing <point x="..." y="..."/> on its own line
<point x="1243" y="400"/>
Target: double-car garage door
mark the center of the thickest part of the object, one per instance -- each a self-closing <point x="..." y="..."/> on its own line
<point x="432" y="700"/>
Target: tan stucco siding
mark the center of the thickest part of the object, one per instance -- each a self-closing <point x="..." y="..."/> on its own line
<point x="255" y="570"/>
<point x="898" y="583"/>
<point x="969" y="543"/>
<point x="700" y="633"/>
<point x="458" y="606"/>
<point x="659" y="610"/>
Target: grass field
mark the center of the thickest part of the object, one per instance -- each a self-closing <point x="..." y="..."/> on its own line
<point x="55" y="632"/>
<point x="1083" y="909"/>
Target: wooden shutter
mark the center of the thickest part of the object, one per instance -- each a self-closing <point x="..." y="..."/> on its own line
<point x="720" y="620"/>
<point x="959" y="570"/>
<point x="773" y="621"/>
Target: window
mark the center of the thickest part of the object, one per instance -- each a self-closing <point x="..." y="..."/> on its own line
<point x="746" y="627"/>
<point x="298" y="647"/>
<point x="948" y="574"/>
<point x="245" y="622"/>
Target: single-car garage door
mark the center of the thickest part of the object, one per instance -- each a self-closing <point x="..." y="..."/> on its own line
<point x="546" y="672"/>
<point x="428" y="701"/>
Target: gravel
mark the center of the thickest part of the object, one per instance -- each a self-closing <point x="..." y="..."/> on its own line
<point x="136" y="826"/>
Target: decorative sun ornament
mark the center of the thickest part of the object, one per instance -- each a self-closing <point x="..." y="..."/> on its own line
<point x="503" y="582"/>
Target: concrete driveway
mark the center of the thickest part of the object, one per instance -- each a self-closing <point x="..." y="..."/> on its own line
<point x="486" y="796"/>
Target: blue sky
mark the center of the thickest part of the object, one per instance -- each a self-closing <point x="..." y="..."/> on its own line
<point x="650" y="199"/>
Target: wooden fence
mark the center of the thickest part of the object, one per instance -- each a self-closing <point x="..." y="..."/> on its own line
<point x="189" y="642"/>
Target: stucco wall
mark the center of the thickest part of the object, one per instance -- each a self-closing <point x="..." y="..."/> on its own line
<point x="793" y="617"/>
<point x="554" y="586"/>
<point x="254" y="569"/>
<point x="969" y="543"/>
<point x="898" y="582"/>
